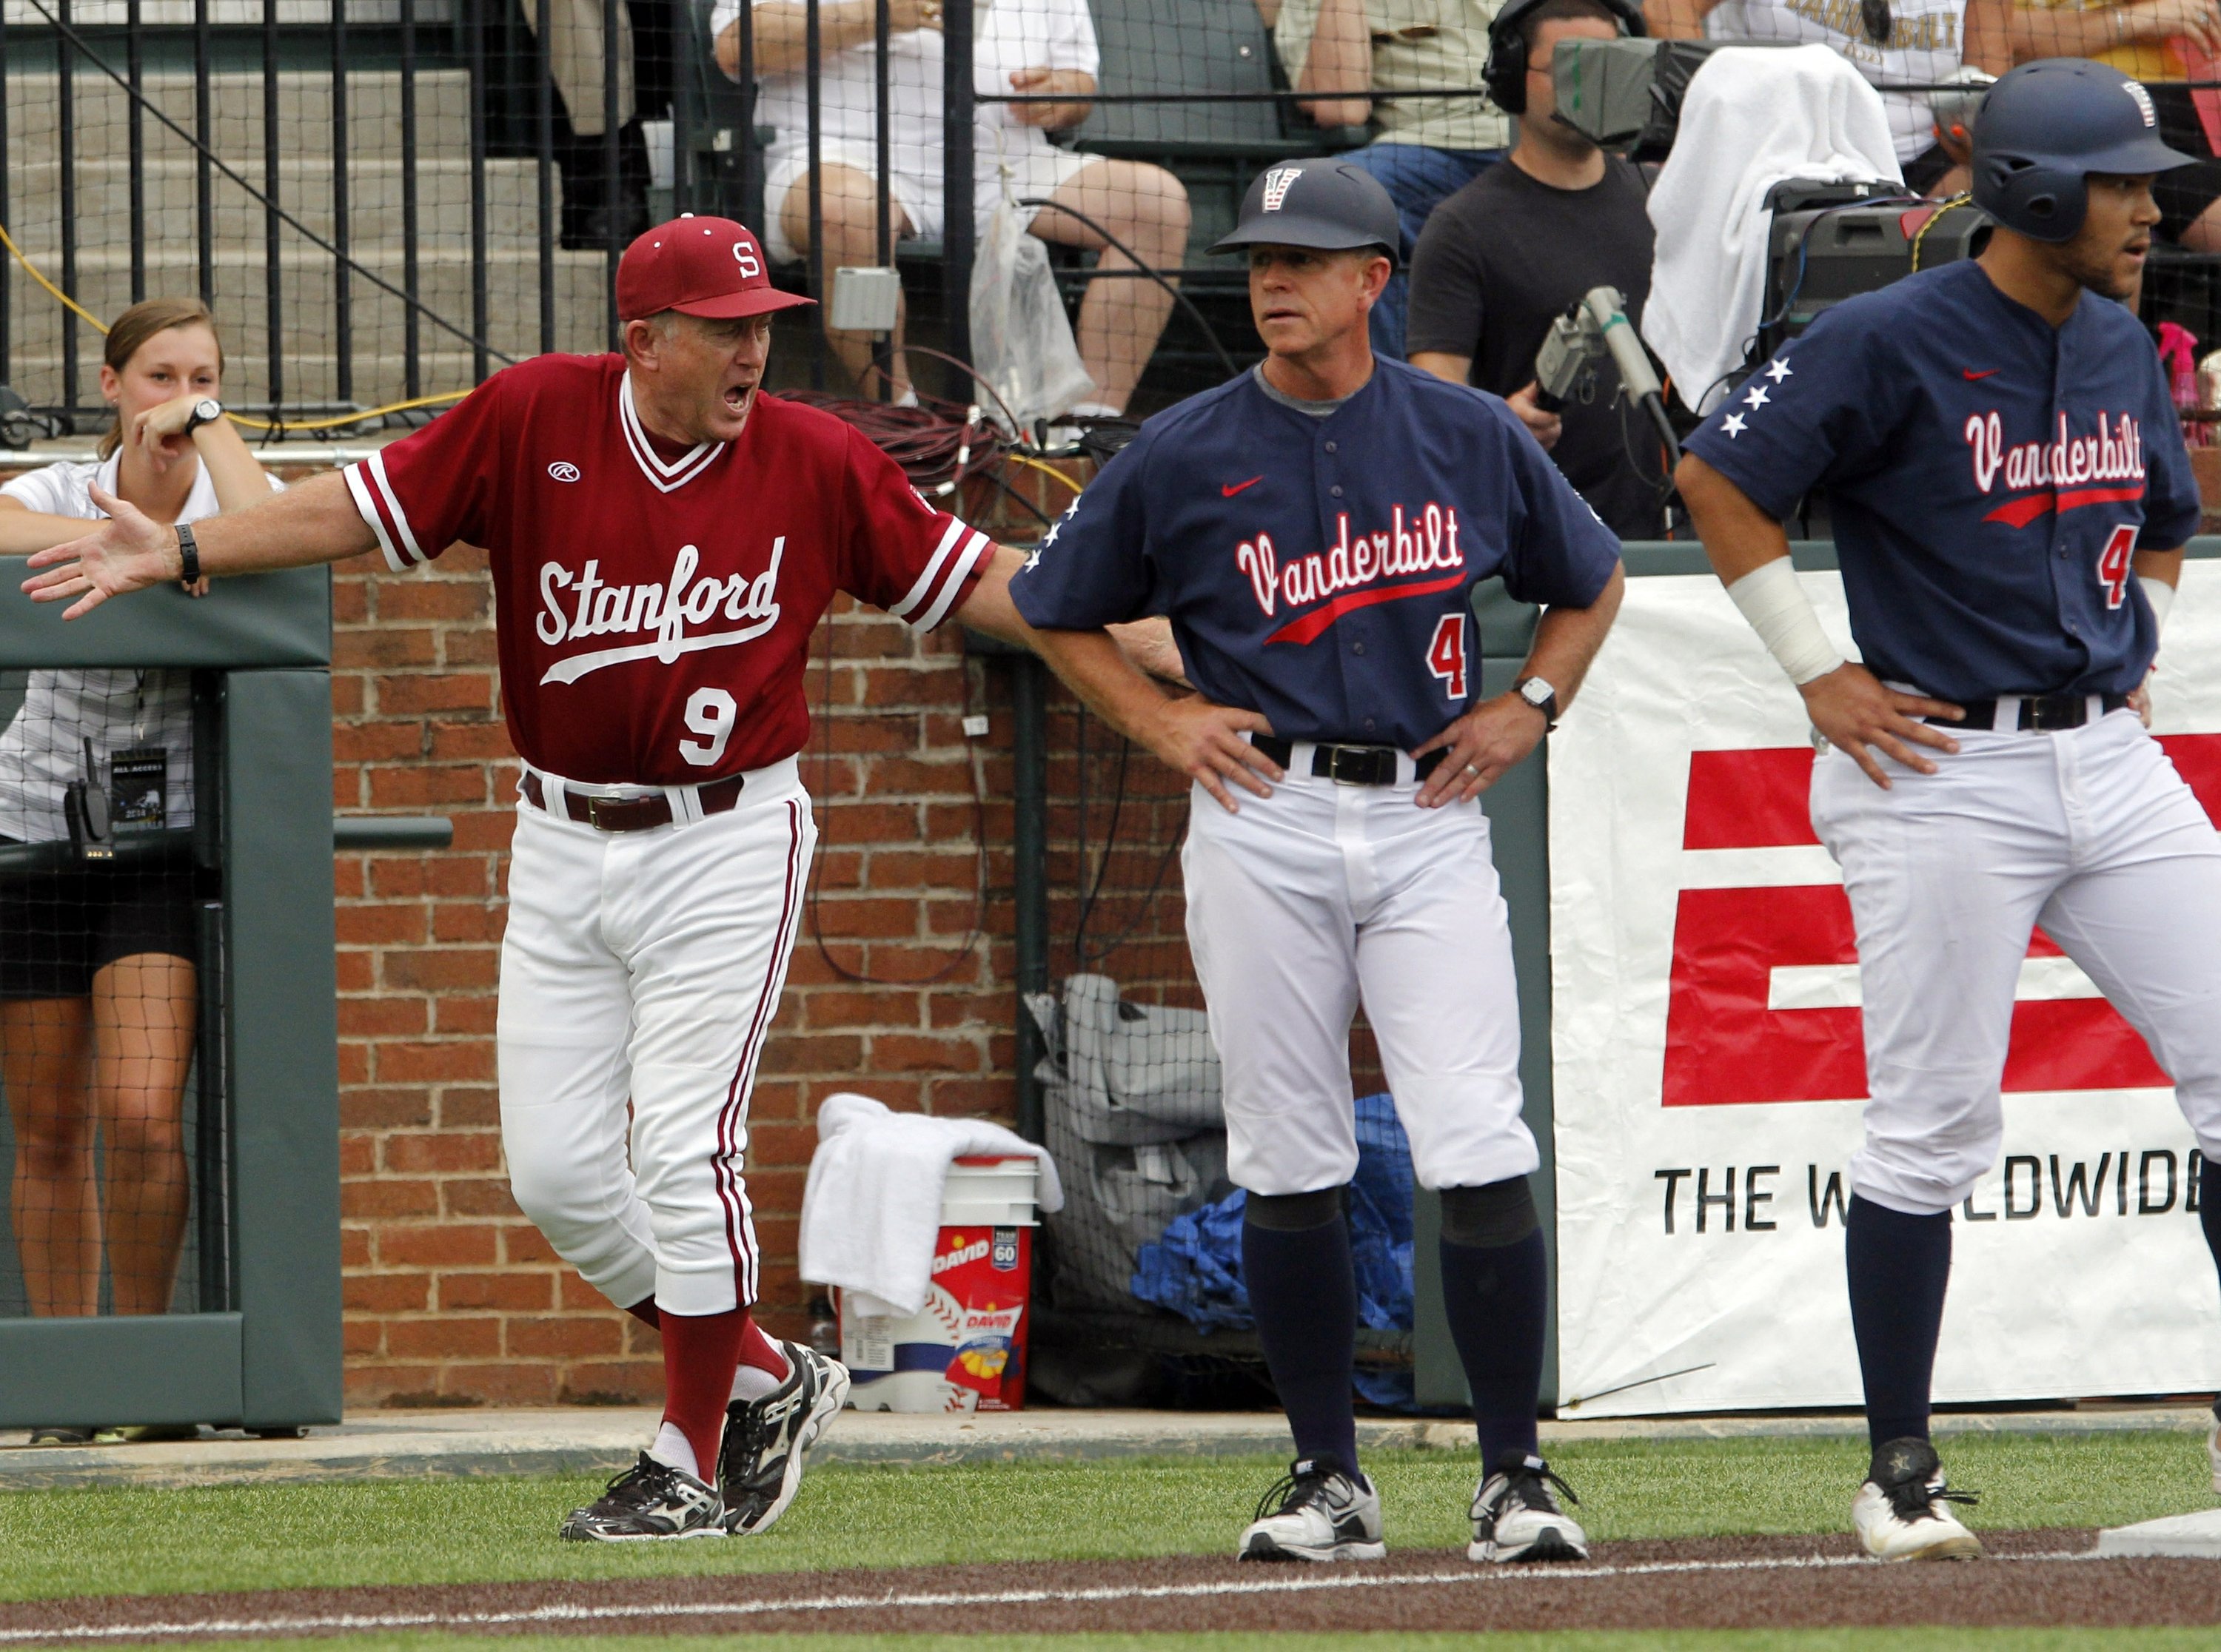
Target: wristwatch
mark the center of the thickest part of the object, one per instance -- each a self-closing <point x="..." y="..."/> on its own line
<point x="1540" y="695"/>
<point x="206" y="411"/>
<point x="189" y="558"/>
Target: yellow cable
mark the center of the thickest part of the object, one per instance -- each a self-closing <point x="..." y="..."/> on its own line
<point x="1046" y="469"/>
<point x="32" y="269"/>
<point x="101" y="327"/>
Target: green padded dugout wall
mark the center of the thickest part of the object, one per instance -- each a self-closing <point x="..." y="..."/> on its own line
<point x="271" y="1360"/>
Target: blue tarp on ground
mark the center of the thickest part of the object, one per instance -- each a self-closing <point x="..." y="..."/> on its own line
<point x="1195" y="1269"/>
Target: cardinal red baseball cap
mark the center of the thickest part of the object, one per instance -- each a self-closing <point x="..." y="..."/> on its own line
<point x="699" y="266"/>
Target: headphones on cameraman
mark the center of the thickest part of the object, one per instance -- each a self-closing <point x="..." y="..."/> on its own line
<point x="1505" y="72"/>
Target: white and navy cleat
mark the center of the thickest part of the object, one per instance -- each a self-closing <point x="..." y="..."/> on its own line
<point x="1903" y="1512"/>
<point x="1516" y="1516"/>
<point x="1317" y="1512"/>
<point x="760" y="1464"/>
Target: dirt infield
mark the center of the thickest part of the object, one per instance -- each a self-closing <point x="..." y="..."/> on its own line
<point x="2035" y="1578"/>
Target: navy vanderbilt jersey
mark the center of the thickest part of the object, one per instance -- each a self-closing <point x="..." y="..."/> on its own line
<point x="1321" y="571"/>
<point x="1989" y="476"/>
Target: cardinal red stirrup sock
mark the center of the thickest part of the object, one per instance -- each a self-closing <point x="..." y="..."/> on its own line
<point x="700" y="1353"/>
<point x="764" y="1366"/>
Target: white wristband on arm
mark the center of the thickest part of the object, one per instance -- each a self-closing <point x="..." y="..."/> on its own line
<point x="1778" y="610"/>
<point x="2161" y="595"/>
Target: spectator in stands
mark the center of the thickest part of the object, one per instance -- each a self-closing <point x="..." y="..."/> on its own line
<point x="1032" y="47"/>
<point x="1891" y="42"/>
<point x="1508" y="252"/>
<point x="2148" y="40"/>
<point x="596" y="207"/>
<point x="1422" y="149"/>
<point x="98" y="997"/>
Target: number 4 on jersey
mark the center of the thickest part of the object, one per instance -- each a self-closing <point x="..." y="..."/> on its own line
<point x="2114" y="563"/>
<point x="1446" y="655"/>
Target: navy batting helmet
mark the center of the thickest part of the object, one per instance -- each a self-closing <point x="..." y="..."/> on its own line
<point x="1333" y="205"/>
<point x="2045" y="126"/>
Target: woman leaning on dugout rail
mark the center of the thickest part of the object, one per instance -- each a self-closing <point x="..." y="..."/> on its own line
<point x="97" y="995"/>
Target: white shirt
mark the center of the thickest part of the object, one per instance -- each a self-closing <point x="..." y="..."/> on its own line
<point x="1007" y="36"/>
<point x="42" y="750"/>
<point x="1927" y="42"/>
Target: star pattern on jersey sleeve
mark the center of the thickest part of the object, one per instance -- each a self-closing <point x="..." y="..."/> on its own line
<point x="1755" y="396"/>
<point x="1777" y="369"/>
<point x="1734" y="425"/>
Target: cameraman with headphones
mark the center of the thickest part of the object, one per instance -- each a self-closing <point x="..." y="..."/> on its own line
<point x="1505" y="255"/>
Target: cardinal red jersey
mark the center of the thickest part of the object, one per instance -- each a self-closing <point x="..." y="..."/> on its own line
<point x="654" y="616"/>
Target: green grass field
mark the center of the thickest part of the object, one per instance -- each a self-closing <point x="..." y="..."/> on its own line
<point x="74" y="1542"/>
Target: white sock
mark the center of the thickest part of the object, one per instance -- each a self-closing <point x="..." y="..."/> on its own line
<point x="1091" y="410"/>
<point x="907" y="398"/>
<point x="671" y="1447"/>
<point x="752" y="1382"/>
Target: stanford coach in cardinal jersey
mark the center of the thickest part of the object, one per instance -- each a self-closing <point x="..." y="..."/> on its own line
<point x="663" y="538"/>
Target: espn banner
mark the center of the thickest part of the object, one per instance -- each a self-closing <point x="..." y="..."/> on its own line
<point x="1709" y="1070"/>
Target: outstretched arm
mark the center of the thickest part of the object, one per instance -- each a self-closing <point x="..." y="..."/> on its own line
<point x="314" y="522"/>
<point x="1847" y="702"/>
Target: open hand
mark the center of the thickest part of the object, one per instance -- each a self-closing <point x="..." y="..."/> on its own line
<point x="127" y="553"/>
<point x="1203" y="742"/>
<point x="1860" y="714"/>
<point x="1480" y="747"/>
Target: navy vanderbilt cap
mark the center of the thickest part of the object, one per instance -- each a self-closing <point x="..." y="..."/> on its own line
<point x="1333" y="205"/>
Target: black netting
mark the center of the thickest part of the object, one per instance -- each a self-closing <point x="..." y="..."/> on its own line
<point x="113" y="1127"/>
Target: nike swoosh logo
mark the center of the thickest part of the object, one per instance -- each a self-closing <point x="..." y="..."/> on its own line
<point x="1972" y="374"/>
<point x="1229" y="493"/>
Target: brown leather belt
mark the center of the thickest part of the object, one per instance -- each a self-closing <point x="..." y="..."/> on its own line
<point x="633" y="813"/>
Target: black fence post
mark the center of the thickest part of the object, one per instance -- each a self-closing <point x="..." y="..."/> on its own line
<point x="412" y="375"/>
<point x="273" y="245"/>
<point x="957" y="239"/>
<point x="7" y="266"/>
<point x="744" y="141"/>
<point x="342" y="223"/>
<point x="544" y="169"/>
<point x="136" y="129"/>
<point x="203" y="167"/>
<point x="813" y="85"/>
<point x="480" y="363"/>
<point x="884" y="251"/>
<point x="66" y="142"/>
<point x="613" y="194"/>
<point x="1029" y="857"/>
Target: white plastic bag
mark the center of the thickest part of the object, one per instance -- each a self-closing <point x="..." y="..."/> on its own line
<point x="1020" y="341"/>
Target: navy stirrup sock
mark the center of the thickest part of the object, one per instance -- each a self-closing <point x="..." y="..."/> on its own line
<point x="1304" y="1292"/>
<point x="1898" y="1267"/>
<point x="1496" y="1300"/>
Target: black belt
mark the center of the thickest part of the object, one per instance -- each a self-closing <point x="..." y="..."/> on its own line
<point x="2040" y="713"/>
<point x="1347" y="766"/>
<point x="633" y="813"/>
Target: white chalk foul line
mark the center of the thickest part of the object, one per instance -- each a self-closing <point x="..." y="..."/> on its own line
<point x="1303" y="1583"/>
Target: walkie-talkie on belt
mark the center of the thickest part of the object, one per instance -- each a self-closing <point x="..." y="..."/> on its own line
<point x="84" y="804"/>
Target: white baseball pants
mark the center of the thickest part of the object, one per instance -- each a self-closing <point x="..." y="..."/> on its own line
<point x="645" y="968"/>
<point x="1321" y="895"/>
<point x="2089" y="832"/>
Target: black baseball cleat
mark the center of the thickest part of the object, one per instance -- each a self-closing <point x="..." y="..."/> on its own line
<point x="1516" y="1516"/>
<point x="1903" y="1513"/>
<point x="1315" y="1512"/>
<point x="650" y="1501"/>
<point x="759" y="1465"/>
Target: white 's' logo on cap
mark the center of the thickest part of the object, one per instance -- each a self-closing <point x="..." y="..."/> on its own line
<point x="746" y="256"/>
<point x="1276" y="185"/>
<point x="2135" y="89"/>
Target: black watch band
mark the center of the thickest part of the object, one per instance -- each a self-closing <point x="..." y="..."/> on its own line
<point x="1548" y="705"/>
<point x="189" y="557"/>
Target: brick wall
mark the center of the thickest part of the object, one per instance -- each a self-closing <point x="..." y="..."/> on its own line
<point x="451" y="1294"/>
